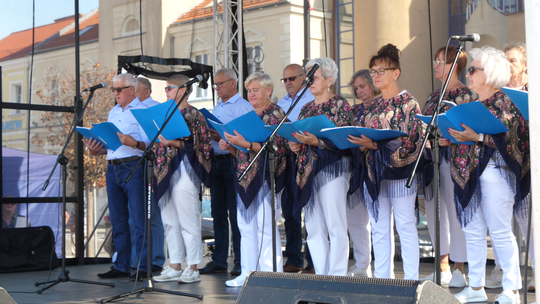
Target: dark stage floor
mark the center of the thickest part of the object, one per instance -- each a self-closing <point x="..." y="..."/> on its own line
<point x="21" y="287"/>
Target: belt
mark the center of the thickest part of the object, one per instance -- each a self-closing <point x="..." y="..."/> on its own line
<point x="118" y="161"/>
<point x="222" y="156"/>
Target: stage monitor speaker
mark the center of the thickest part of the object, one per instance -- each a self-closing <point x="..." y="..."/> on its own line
<point x="271" y="287"/>
<point x="5" y="298"/>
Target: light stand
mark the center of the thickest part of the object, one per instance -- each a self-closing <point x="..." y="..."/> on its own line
<point x="63" y="161"/>
<point x="148" y="155"/>
<point x="433" y="132"/>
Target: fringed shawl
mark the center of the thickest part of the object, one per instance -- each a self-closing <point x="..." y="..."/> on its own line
<point x="468" y="162"/>
<point x="196" y="152"/>
<point x="249" y="187"/>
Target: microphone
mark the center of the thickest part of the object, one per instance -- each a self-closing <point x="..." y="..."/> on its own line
<point x="316" y="66"/>
<point x="197" y="78"/>
<point x="472" y="38"/>
<point x="97" y="86"/>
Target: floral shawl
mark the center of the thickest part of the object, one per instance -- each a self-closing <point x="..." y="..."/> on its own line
<point x="394" y="160"/>
<point x="315" y="166"/>
<point x="468" y="162"/>
<point x="196" y="149"/>
<point x="249" y="187"/>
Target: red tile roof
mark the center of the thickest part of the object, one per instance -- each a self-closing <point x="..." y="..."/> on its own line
<point x="88" y="29"/>
<point x="206" y="9"/>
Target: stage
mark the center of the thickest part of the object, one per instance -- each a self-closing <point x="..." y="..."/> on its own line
<point x="21" y="287"/>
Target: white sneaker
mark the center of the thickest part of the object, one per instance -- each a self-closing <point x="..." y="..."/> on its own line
<point x="458" y="279"/>
<point x="507" y="297"/>
<point x="168" y="274"/>
<point x="469" y="295"/>
<point x="189" y="276"/>
<point x="532" y="285"/>
<point x="446" y="276"/>
<point x="495" y="280"/>
<point x="357" y="272"/>
<point x="236" y="282"/>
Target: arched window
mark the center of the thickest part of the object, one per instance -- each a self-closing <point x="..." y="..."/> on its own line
<point x="131" y="27"/>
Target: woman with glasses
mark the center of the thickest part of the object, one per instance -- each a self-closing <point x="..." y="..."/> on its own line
<point x="516" y="53"/>
<point x="181" y="167"/>
<point x="387" y="164"/>
<point x="253" y="191"/>
<point x="361" y="84"/>
<point x="452" y="238"/>
<point x="491" y="179"/>
<point x="322" y="175"/>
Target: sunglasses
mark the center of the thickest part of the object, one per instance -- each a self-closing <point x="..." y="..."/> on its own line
<point x="471" y="69"/>
<point x="119" y="90"/>
<point x="380" y="71"/>
<point x="10" y="203"/>
<point x="220" y="84"/>
<point x="437" y="62"/>
<point x="170" y="88"/>
<point x="290" y="79"/>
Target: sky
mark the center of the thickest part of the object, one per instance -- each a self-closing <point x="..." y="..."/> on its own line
<point x="16" y="15"/>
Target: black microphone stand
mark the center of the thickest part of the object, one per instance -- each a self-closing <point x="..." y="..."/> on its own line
<point x="433" y="132"/>
<point x="269" y="147"/>
<point x="63" y="161"/>
<point x="148" y="155"/>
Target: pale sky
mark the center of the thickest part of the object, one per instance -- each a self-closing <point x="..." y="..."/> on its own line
<point x="16" y="15"/>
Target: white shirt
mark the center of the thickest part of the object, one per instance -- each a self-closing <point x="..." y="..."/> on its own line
<point x="149" y="102"/>
<point x="235" y="107"/>
<point x="286" y="102"/>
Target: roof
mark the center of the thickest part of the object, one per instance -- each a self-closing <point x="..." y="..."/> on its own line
<point x="206" y="9"/>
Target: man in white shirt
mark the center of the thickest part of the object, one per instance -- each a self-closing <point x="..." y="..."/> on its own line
<point x="144" y="90"/>
<point x="121" y="162"/>
<point x="293" y="76"/>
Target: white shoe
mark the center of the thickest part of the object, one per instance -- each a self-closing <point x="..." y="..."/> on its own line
<point x="189" y="276"/>
<point x="168" y="274"/>
<point x="531" y="287"/>
<point x="507" y="297"/>
<point x="357" y="272"/>
<point x="495" y="280"/>
<point x="469" y="295"/>
<point x="446" y="276"/>
<point x="236" y="282"/>
<point x="458" y="279"/>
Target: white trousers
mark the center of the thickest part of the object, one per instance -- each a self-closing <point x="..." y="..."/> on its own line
<point x="452" y="236"/>
<point x="182" y="222"/>
<point x="523" y="222"/>
<point x="326" y="226"/>
<point x="256" y="237"/>
<point x="495" y="214"/>
<point x="382" y="233"/>
<point x="360" y="234"/>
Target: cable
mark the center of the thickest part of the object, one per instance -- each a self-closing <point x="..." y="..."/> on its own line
<point x="431" y="44"/>
<point x="324" y="26"/>
<point x="140" y="26"/>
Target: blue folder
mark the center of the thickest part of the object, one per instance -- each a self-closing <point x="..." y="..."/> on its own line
<point x="152" y="119"/>
<point x="312" y="125"/>
<point x="209" y="116"/>
<point x="472" y="114"/>
<point x="520" y="99"/>
<point x="249" y="125"/>
<point x="105" y="133"/>
<point x="339" y="135"/>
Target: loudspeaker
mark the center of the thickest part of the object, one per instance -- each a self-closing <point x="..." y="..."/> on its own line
<point x="272" y="287"/>
<point x="5" y="298"/>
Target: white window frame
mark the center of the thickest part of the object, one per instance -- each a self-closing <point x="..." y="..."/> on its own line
<point x="125" y="32"/>
<point x="13" y="96"/>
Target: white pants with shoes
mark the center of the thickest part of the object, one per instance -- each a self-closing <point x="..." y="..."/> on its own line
<point x="360" y="234"/>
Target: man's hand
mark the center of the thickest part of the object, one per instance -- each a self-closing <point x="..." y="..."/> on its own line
<point x="94" y="146"/>
<point x="215" y="135"/>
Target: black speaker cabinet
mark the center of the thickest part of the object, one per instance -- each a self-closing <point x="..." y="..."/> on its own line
<point x="271" y="287"/>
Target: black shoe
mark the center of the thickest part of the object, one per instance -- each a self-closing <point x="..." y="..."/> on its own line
<point x="212" y="267"/>
<point x="237" y="269"/>
<point x="113" y="273"/>
<point x="140" y="277"/>
<point x="156" y="268"/>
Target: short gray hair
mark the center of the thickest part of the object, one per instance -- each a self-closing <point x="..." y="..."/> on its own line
<point x="145" y="82"/>
<point x="496" y="66"/>
<point x="517" y="45"/>
<point x="328" y="67"/>
<point x="364" y="74"/>
<point x="264" y="79"/>
<point x="230" y="73"/>
<point x="127" y="78"/>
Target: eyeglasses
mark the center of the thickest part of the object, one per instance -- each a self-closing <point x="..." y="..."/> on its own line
<point x="471" y="69"/>
<point x="119" y="90"/>
<point x="169" y="88"/>
<point x="290" y="79"/>
<point x="380" y="71"/>
<point x="437" y="62"/>
<point x="220" y="84"/>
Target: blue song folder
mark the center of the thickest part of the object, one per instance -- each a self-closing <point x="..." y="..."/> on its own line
<point x="105" y="133"/>
<point x="339" y="135"/>
<point x="152" y="119"/>
<point x="520" y="99"/>
<point x="249" y="125"/>
<point x="312" y="125"/>
<point x="472" y="114"/>
<point x="209" y="116"/>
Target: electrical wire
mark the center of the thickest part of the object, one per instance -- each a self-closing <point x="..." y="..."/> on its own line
<point x="140" y="26"/>
<point x="324" y="26"/>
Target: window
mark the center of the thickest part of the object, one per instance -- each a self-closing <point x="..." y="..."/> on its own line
<point x="345" y="47"/>
<point x="131" y="27"/>
<point x="16" y="97"/>
<point x="200" y="93"/>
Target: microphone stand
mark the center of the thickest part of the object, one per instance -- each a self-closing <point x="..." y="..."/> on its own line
<point x="63" y="161"/>
<point x="269" y="147"/>
<point x="433" y="132"/>
<point x="148" y="155"/>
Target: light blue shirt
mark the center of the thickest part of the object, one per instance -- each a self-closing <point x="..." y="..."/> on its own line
<point x="124" y="120"/>
<point x="286" y="102"/>
<point x="149" y="102"/>
<point x="235" y="107"/>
